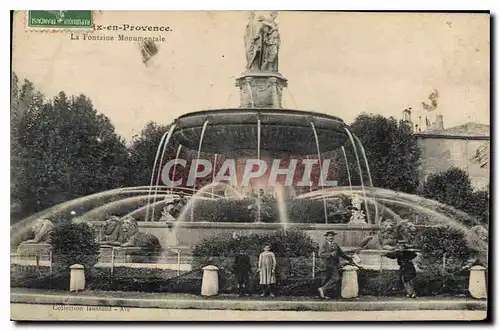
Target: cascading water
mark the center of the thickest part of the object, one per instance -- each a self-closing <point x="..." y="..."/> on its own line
<point x="377" y="220"/>
<point x="158" y="176"/>
<point x="230" y="192"/>
<point x="320" y="168"/>
<point x="347" y="167"/>
<point x="164" y="140"/>
<point x="214" y="170"/>
<point x="280" y="199"/>
<point x="175" y="166"/>
<point x="359" y="169"/>
<point x="198" y="160"/>
<point x="154" y="166"/>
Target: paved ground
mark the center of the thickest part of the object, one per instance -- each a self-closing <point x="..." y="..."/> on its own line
<point x="234" y="303"/>
<point x="184" y="296"/>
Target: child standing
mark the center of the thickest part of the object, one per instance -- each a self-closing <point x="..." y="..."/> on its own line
<point x="242" y="268"/>
<point x="267" y="268"/>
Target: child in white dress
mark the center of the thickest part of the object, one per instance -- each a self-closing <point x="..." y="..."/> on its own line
<point x="267" y="268"/>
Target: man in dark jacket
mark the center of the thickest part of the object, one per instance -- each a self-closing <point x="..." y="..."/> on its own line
<point x="242" y="268"/>
<point x="330" y="254"/>
<point x="404" y="254"/>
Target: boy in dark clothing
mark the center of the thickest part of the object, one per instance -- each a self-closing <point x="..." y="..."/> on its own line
<point x="407" y="272"/>
<point x="242" y="268"/>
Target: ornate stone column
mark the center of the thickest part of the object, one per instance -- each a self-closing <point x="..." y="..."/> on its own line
<point x="260" y="89"/>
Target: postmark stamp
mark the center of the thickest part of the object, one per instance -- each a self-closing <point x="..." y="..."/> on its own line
<point x="54" y="20"/>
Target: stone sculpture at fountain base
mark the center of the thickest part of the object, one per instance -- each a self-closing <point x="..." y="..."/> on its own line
<point x="121" y="239"/>
<point x="40" y="243"/>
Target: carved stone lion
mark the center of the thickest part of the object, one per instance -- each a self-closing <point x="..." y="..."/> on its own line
<point x="135" y="238"/>
<point x="112" y="233"/>
<point x="42" y="231"/>
<point x="389" y="234"/>
<point x="406" y="230"/>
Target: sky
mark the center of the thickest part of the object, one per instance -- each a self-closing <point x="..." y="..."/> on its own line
<point x="341" y="64"/>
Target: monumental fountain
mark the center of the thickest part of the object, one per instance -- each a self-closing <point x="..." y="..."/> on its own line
<point x="258" y="134"/>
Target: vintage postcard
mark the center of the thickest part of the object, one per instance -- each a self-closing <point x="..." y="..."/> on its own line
<point x="252" y="166"/>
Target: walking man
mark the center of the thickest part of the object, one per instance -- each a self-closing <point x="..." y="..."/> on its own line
<point x="330" y="254"/>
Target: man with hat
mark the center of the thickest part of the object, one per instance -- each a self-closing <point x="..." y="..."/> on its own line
<point x="330" y="254"/>
<point x="404" y="254"/>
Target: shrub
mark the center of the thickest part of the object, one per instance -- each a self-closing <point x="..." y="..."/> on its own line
<point x="73" y="243"/>
<point x="453" y="187"/>
<point x="222" y="210"/>
<point x="436" y="241"/>
<point x="298" y="210"/>
<point x="290" y="243"/>
<point x="292" y="248"/>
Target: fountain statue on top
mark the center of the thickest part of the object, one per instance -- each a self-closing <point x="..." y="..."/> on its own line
<point x="262" y="43"/>
<point x="358" y="215"/>
<point x="261" y="85"/>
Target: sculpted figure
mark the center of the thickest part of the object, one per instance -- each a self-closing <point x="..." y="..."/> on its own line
<point x="272" y="43"/>
<point x="175" y="208"/>
<point x="388" y="235"/>
<point x="262" y="43"/>
<point x="386" y="238"/>
<point x="254" y="42"/>
<point x="358" y="215"/>
<point x="42" y="230"/>
<point x="112" y="233"/>
<point x="135" y="238"/>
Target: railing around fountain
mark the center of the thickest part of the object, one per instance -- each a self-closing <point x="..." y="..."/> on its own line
<point x="179" y="271"/>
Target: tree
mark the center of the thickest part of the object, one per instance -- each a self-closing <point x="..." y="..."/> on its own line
<point x="26" y="103"/>
<point x="452" y="187"/>
<point x="63" y="149"/>
<point x="480" y="205"/>
<point x="392" y="153"/>
<point x="143" y="150"/>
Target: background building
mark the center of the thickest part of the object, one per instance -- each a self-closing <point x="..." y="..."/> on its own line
<point x="465" y="146"/>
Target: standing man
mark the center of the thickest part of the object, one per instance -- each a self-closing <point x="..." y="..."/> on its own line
<point x="330" y="254"/>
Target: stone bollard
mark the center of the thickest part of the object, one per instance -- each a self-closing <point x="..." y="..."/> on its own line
<point x="477" y="282"/>
<point x="349" y="282"/>
<point x="210" y="282"/>
<point x="77" y="278"/>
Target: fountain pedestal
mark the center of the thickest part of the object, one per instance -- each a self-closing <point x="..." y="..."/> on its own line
<point x="477" y="282"/>
<point x="261" y="89"/>
<point x="210" y="282"/>
<point x="349" y="282"/>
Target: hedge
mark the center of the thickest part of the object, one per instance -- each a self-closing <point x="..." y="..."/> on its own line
<point x="298" y="211"/>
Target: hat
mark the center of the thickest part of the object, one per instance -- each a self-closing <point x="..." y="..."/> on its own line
<point x="333" y="233"/>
